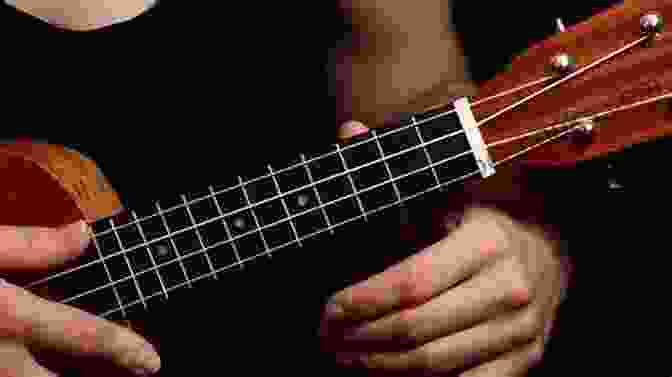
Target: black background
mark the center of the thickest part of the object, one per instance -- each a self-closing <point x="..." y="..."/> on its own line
<point x="184" y="93"/>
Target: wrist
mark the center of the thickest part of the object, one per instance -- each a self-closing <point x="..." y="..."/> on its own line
<point x="406" y="76"/>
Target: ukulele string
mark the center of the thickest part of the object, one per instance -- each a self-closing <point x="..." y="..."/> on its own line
<point x="213" y="194"/>
<point x="342" y="149"/>
<point x="334" y="226"/>
<point x="420" y="123"/>
<point x="564" y="79"/>
<point x="579" y="120"/>
<point x="577" y="124"/>
<point x="395" y="130"/>
<point x="348" y="171"/>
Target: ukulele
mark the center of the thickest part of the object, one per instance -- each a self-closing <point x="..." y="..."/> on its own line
<point x="590" y="90"/>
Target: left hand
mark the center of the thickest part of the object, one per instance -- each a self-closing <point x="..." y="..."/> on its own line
<point x="480" y="302"/>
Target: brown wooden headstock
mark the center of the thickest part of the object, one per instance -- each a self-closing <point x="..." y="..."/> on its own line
<point x="640" y="73"/>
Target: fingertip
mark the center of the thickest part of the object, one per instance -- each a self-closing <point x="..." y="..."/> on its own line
<point x="351" y="129"/>
<point x="80" y="235"/>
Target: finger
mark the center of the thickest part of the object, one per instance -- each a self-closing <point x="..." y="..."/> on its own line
<point x="36" y="247"/>
<point x="351" y="129"/>
<point x="478" y="241"/>
<point x="494" y="291"/>
<point x="463" y="349"/>
<point x="61" y="328"/>
<point x="18" y="362"/>
<point x="513" y="364"/>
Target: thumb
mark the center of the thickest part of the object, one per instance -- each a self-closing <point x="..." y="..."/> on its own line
<point x="25" y="247"/>
<point x="351" y="129"/>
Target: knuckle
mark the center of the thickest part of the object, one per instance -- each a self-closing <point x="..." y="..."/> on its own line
<point x="426" y="360"/>
<point x="408" y="327"/>
<point x="95" y="338"/>
<point x="494" y="235"/>
<point x="531" y="325"/>
<point x="414" y="287"/>
<point x="518" y="287"/>
<point x="536" y="353"/>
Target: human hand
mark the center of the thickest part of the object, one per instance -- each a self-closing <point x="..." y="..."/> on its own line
<point x="480" y="302"/>
<point x="30" y="323"/>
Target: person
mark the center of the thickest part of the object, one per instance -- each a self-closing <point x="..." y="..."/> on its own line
<point x="481" y="301"/>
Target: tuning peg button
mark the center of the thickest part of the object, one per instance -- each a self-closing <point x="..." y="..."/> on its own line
<point x="651" y="23"/>
<point x="559" y="25"/>
<point x="563" y="64"/>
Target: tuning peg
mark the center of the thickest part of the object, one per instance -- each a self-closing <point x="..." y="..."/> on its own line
<point x="559" y="25"/>
<point x="563" y="64"/>
<point x="651" y="23"/>
<point x="585" y="132"/>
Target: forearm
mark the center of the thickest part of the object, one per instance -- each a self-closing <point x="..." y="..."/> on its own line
<point x="82" y="15"/>
<point x="397" y="53"/>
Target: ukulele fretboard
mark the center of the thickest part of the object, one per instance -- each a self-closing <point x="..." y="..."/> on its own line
<point x="143" y="256"/>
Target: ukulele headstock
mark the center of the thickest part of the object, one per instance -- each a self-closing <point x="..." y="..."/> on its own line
<point x="594" y="88"/>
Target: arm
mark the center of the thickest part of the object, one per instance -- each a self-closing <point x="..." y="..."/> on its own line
<point x="399" y="57"/>
<point x="483" y="300"/>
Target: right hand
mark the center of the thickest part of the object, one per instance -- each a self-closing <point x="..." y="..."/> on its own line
<point x="30" y="323"/>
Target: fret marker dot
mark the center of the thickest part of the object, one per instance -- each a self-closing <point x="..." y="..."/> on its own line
<point x="302" y="200"/>
<point x="162" y="250"/>
<point x="239" y="223"/>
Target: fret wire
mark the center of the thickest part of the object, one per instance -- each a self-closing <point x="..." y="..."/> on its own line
<point x="170" y="236"/>
<point x="480" y="123"/>
<point x="226" y="226"/>
<point x="429" y="158"/>
<point x="311" y="235"/>
<point x="109" y="275"/>
<point x="284" y="205"/>
<point x="303" y="162"/>
<point x="254" y="217"/>
<point x="385" y="133"/>
<point x="149" y="253"/>
<point x="352" y="182"/>
<point x="425" y="120"/>
<point x="198" y="234"/>
<point x="326" y="179"/>
<point x="299" y="214"/>
<point x="317" y="193"/>
<point x="128" y="263"/>
<point x="387" y="166"/>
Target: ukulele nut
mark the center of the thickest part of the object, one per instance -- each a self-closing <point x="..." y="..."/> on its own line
<point x="586" y="126"/>
<point x="651" y="23"/>
<point x="584" y="132"/>
<point x="563" y="64"/>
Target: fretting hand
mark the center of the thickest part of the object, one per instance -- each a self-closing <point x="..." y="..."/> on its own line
<point x="31" y="323"/>
<point x="481" y="301"/>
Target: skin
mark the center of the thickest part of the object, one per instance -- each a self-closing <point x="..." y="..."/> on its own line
<point x="30" y="322"/>
<point x="480" y="302"/>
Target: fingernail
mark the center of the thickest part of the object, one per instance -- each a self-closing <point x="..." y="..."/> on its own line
<point x="149" y="363"/>
<point x="85" y="232"/>
<point x="352" y="129"/>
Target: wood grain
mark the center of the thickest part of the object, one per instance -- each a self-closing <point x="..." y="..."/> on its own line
<point x="642" y="72"/>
